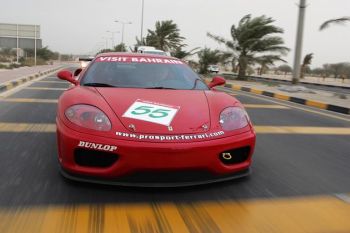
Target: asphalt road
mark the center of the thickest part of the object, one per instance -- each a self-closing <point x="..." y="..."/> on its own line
<point x="285" y="165"/>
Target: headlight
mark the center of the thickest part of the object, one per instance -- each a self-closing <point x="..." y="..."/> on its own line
<point x="233" y="118"/>
<point x="88" y="117"/>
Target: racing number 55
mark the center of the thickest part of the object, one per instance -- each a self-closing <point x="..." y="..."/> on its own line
<point x="153" y="113"/>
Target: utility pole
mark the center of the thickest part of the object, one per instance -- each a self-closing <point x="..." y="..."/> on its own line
<point x="299" y="42"/>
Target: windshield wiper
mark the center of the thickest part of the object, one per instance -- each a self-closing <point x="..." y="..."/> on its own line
<point x="195" y="83"/>
<point x="98" y="85"/>
<point x="165" y="88"/>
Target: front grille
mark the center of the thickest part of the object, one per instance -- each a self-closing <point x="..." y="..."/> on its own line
<point x="93" y="158"/>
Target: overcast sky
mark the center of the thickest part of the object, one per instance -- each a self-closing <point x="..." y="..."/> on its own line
<point x="79" y="26"/>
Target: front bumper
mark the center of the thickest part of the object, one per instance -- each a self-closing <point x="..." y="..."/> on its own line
<point x="143" y="157"/>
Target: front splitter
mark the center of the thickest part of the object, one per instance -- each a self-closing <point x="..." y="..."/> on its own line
<point x="123" y="181"/>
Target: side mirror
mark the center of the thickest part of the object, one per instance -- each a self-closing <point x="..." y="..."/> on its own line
<point x="77" y="72"/>
<point x="68" y="76"/>
<point x="217" y="81"/>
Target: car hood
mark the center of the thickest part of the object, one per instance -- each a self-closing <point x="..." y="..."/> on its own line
<point x="189" y="108"/>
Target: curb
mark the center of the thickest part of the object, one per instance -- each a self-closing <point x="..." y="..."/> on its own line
<point x="311" y="103"/>
<point x="12" y="84"/>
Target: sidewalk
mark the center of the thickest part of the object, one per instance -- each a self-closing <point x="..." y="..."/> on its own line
<point x="10" y="75"/>
<point x="307" y="80"/>
<point x="304" y="93"/>
<point x="312" y="80"/>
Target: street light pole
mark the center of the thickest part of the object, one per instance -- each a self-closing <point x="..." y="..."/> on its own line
<point x="113" y="32"/>
<point x="123" y="33"/>
<point x="17" y="55"/>
<point x="35" y="45"/>
<point x="123" y="27"/>
<point x="299" y="42"/>
<point x="142" y="14"/>
<point x="106" y="38"/>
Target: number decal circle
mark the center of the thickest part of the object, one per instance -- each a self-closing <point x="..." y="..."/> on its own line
<point x="151" y="112"/>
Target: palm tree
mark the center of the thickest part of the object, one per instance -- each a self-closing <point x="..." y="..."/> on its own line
<point x="334" y="21"/>
<point x="143" y="42"/>
<point x="166" y="36"/>
<point x="253" y="41"/>
<point x="183" y="54"/>
<point x="306" y="63"/>
<point x="207" y="57"/>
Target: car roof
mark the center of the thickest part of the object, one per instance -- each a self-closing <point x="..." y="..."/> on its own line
<point x="155" y="50"/>
<point x="145" y="55"/>
<point x="146" y="47"/>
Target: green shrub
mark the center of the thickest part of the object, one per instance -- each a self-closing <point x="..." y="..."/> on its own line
<point x="4" y="59"/>
<point x="14" y="65"/>
<point x="30" y="62"/>
<point x="2" y="66"/>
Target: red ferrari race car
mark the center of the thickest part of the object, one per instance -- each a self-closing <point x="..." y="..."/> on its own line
<point x="149" y="120"/>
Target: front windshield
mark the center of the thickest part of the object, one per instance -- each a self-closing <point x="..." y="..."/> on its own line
<point x="139" y="72"/>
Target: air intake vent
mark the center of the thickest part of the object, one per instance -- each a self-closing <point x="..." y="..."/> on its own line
<point x="93" y="158"/>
